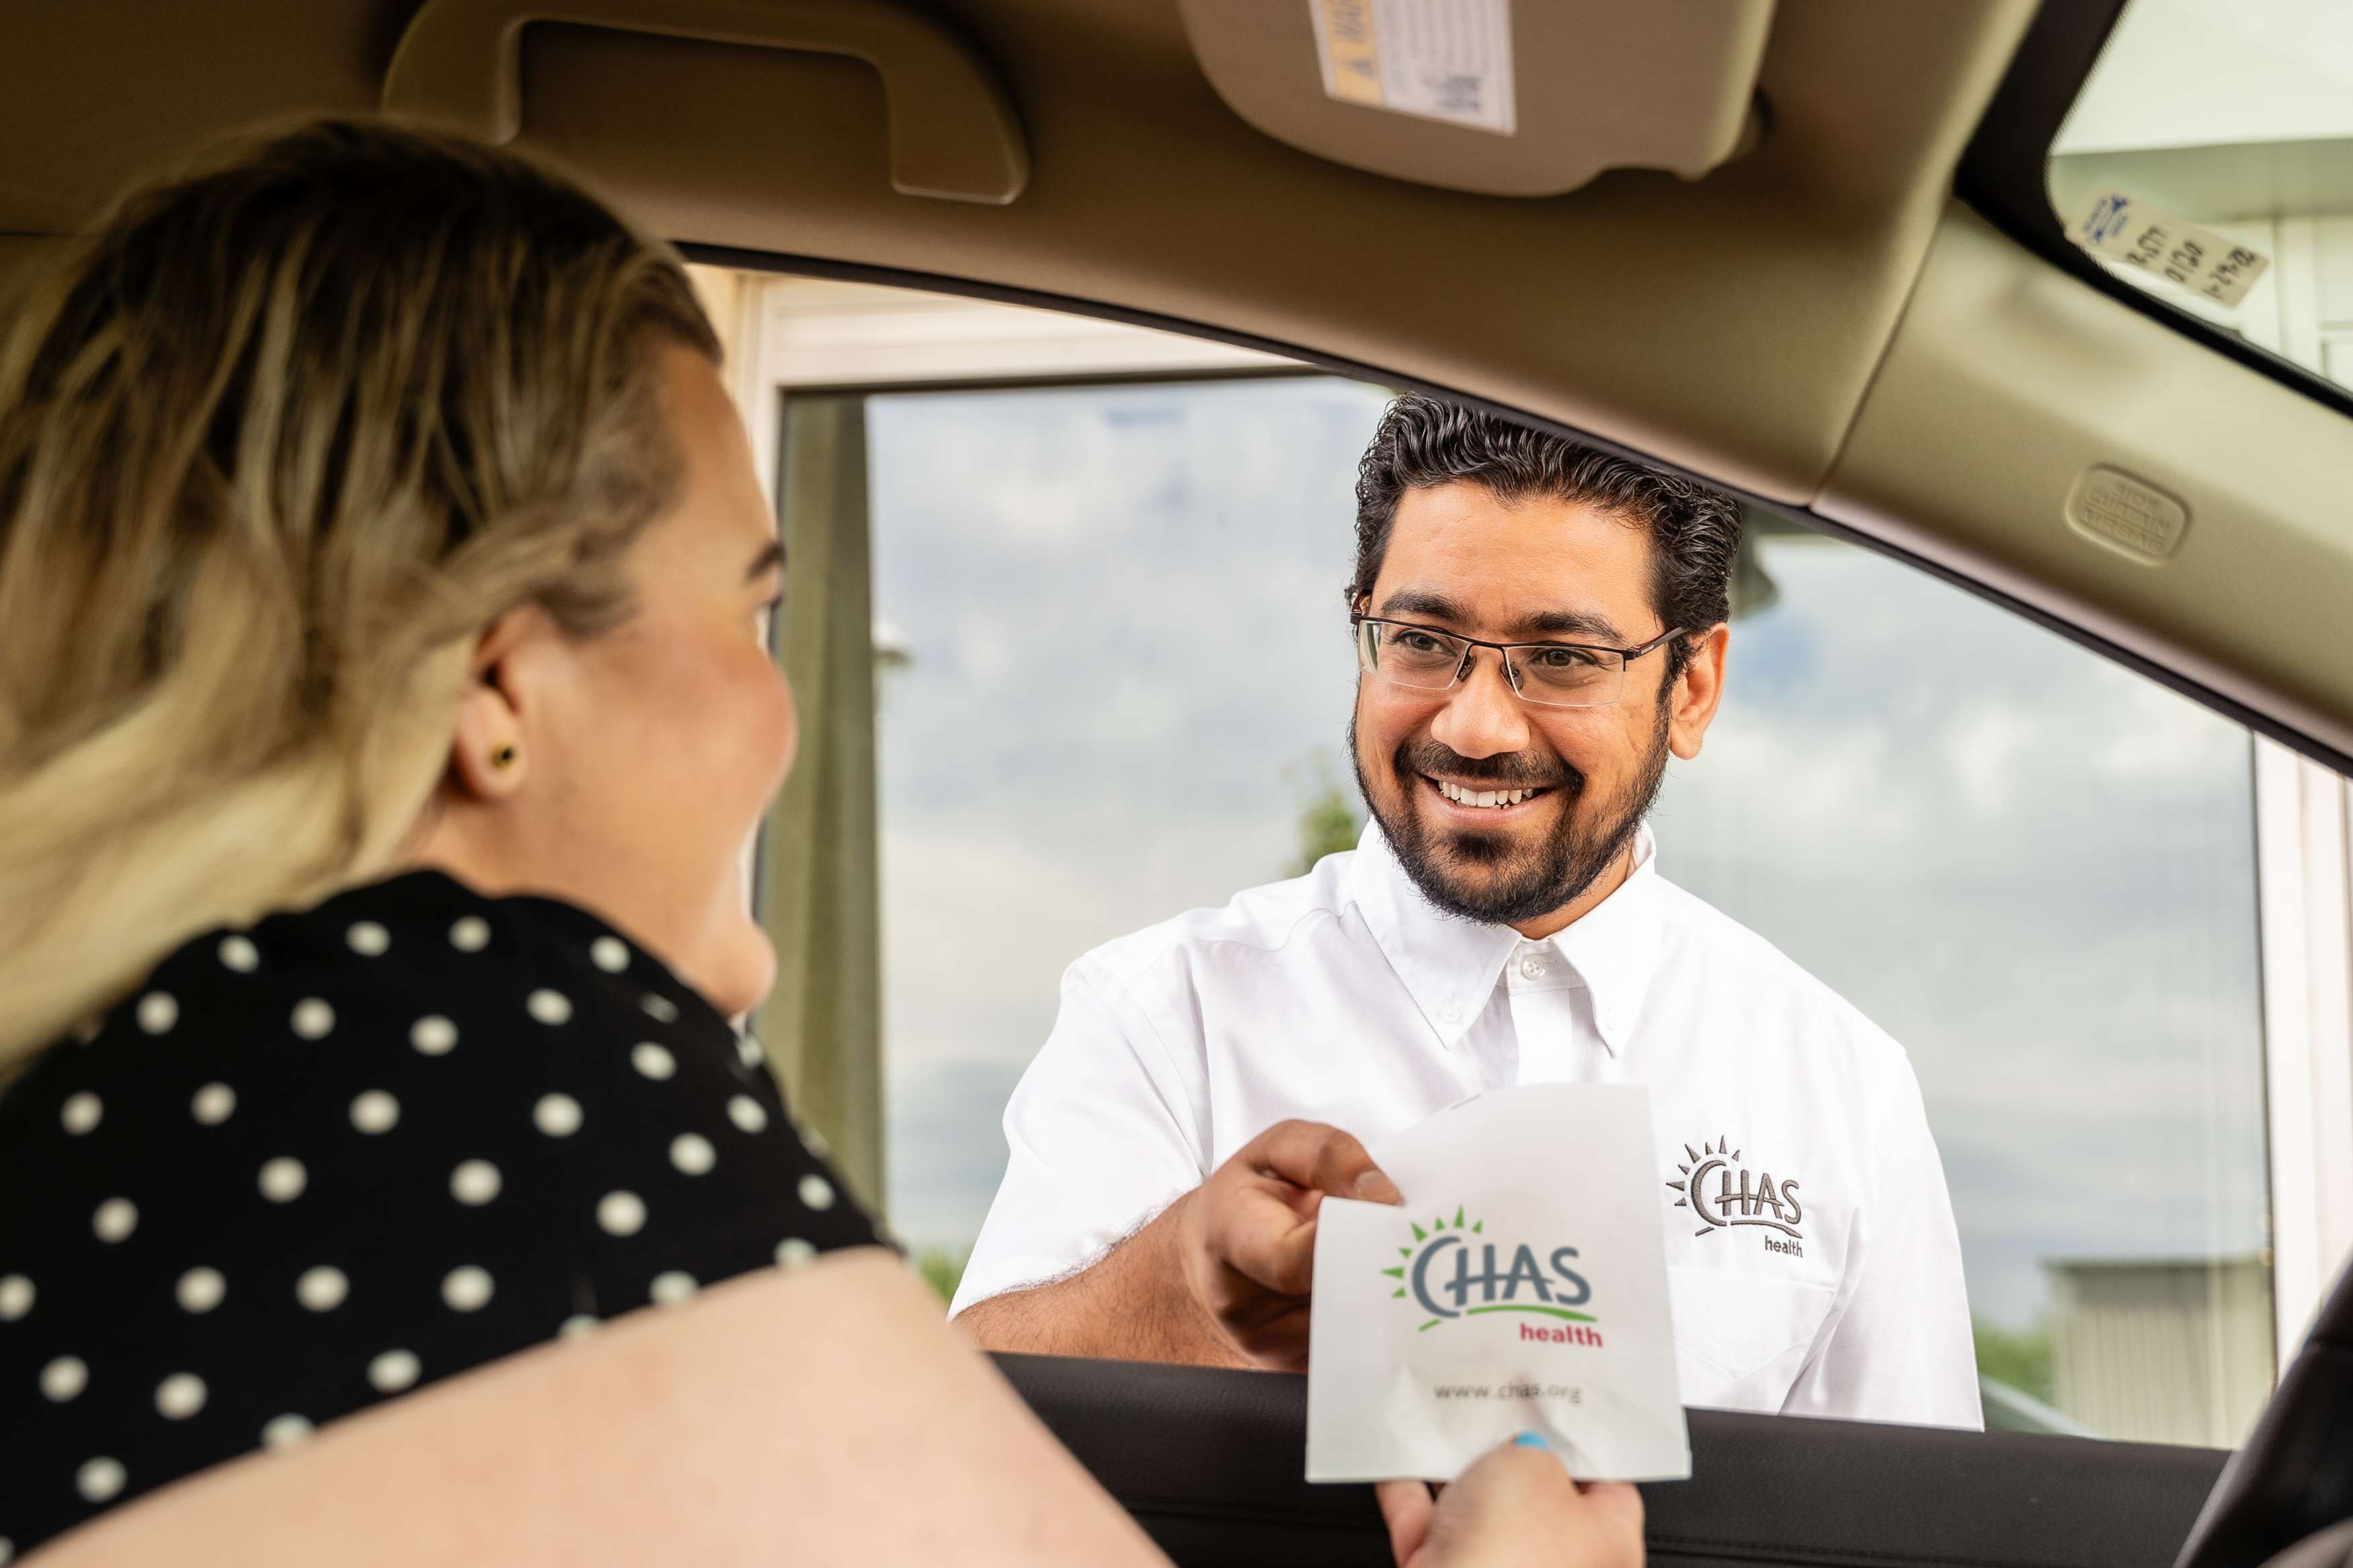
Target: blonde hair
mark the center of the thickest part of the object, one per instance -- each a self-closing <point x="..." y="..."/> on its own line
<point x="277" y="441"/>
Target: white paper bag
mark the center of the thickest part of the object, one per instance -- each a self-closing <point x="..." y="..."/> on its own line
<point x="1522" y="1288"/>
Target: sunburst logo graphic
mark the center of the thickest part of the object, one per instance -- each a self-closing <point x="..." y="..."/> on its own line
<point x="1723" y="1193"/>
<point x="1445" y="1271"/>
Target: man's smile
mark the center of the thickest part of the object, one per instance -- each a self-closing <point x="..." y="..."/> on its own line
<point x="1484" y="801"/>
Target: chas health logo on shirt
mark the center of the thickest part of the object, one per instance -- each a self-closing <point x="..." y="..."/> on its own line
<point x="1522" y="1287"/>
<point x="1728" y="1194"/>
<point x="1458" y="1271"/>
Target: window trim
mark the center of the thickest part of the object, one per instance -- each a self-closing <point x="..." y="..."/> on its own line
<point x="2002" y="177"/>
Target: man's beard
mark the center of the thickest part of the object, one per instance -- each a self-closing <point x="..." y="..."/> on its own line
<point x="1534" y="882"/>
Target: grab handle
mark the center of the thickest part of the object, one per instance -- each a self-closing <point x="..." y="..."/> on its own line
<point x="952" y="128"/>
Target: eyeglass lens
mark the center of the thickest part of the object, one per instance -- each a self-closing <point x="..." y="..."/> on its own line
<point x="1555" y="674"/>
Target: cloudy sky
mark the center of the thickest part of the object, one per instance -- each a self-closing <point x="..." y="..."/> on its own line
<point x="1129" y="649"/>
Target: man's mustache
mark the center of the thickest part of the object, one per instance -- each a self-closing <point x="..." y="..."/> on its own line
<point x="1507" y="770"/>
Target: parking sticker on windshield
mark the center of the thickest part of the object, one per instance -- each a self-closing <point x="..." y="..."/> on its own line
<point x="1439" y="59"/>
<point x="1522" y="1288"/>
<point x="2149" y="239"/>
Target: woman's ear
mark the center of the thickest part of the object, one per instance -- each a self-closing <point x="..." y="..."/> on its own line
<point x="487" y="758"/>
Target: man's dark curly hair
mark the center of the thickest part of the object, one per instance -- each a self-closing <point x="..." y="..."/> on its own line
<point x="1423" y="441"/>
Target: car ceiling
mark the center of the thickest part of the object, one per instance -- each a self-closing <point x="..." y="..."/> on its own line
<point x="1732" y="325"/>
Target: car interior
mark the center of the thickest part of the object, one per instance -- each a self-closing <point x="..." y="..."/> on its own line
<point x="1824" y="254"/>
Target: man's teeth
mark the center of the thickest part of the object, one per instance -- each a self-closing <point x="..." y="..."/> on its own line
<point x="1461" y="797"/>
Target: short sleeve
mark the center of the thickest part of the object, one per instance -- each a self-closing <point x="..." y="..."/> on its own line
<point x="1098" y="1142"/>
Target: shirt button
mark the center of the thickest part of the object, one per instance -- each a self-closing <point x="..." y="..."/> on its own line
<point x="1533" y="967"/>
<point x="1449" y="1012"/>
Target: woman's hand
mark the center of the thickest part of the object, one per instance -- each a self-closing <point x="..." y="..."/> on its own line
<point x="1516" y="1507"/>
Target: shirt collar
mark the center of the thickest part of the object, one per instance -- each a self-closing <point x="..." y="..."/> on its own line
<point x="1450" y="965"/>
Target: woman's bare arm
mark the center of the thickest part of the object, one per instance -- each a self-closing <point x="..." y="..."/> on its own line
<point x="821" y="1416"/>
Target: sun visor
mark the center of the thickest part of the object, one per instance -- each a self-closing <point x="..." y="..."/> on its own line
<point x="1508" y="98"/>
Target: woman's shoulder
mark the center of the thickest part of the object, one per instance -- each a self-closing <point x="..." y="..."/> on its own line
<point x="401" y="964"/>
<point x="348" y="1152"/>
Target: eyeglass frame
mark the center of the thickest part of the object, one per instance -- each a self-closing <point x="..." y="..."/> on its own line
<point x="1357" y="621"/>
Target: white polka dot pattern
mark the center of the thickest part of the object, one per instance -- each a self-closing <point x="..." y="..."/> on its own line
<point x="466" y="1289"/>
<point x="99" y="1480"/>
<point x="474" y="1183"/>
<point x="114" y="1220"/>
<point x="179" y="1397"/>
<point x="284" y="1432"/>
<point x="254" y="1155"/>
<point x="393" y="1371"/>
<point x="200" y="1289"/>
<point x="64" y="1379"/>
<point x="283" y="1179"/>
<point x="376" y="1111"/>
<point x="323" y="1288"/>
<point x="621" y="1214"/>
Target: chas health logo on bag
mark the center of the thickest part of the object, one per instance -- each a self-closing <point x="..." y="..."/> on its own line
<point x="1522" y="1288"/>
<point x="1457" y="1271"/>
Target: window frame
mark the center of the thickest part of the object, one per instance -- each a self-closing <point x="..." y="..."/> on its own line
<point x="2306" y="1133"/>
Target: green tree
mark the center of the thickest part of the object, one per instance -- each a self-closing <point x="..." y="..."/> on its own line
<point x="941" y="1270"/>
<point x="1328" y="822"/>
<point x="2018" y="1358"/>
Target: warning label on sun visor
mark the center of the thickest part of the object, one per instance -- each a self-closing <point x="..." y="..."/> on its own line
<point x="1439" y="59"/>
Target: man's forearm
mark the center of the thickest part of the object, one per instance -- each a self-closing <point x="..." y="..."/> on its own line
<point x="1132" y="1304"/>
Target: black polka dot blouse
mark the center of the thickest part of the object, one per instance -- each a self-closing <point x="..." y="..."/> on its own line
<point x="307" y="1167"/>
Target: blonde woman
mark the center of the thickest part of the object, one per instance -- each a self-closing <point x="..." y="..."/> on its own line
<point x="384" y="705"/>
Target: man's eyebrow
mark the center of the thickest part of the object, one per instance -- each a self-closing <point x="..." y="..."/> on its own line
<point x="1437" y="606"/>
<point x="770" y="559"/>
<point x="1422" y="601"/>
<point x="1570" y="623"/>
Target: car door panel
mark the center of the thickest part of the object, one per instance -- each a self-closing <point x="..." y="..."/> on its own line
<point x="1209" y="1462"/>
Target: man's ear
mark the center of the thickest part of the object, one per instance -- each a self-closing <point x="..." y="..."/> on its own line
<point x="487" y="756"/>
<point x="1697" y="691"/>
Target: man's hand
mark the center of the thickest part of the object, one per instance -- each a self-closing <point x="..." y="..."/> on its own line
<point x="1516" y="1507"/>
<point x="1246" y="1237"/>
<point x="1219" y="1278"/>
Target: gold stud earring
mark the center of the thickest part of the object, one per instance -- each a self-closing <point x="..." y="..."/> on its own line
<point x="504" y="756"/>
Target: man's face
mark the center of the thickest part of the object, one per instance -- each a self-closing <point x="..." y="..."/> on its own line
<point x="1537" y="571"/>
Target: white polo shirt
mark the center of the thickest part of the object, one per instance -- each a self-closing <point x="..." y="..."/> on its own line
<point x="1810" y="1250"/>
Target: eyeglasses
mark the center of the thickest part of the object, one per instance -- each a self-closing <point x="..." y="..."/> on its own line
<point x="1547" y="674"/>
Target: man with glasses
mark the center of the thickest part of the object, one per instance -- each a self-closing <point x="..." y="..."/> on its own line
<point x="1538" y="626"/>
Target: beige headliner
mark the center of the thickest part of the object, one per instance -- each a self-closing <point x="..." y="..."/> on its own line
<point x="1733" y="325"/>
